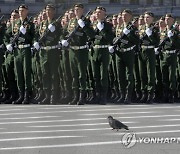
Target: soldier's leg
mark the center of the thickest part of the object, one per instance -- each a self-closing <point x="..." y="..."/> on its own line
<point x="121" y="69"/>
<point x="18" y="64"/>
<point x="75" y="76"/>
<point x="54" y="61"/>
<point x="172" y="76"/>
<point x="82" y="68"/>
<point x="151" y="74"/>
<point x="45" y="76"/>
<point x="129" y="62"/>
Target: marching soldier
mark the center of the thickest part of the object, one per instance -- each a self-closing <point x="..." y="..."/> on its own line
<point x="49" y="55"/>
<point x="126" y="54"/>
<point x="101" y="56"/>
<point x="2" y="32"/>
<point x="22" y="55"/>
<point x="169" y="61"/>
<point x="79" y="53"/>
<point x="149" y="40"/>
<point x="9" y="59"/>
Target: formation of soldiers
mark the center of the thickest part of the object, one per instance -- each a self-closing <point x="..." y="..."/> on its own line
<point x="91" y="59"/>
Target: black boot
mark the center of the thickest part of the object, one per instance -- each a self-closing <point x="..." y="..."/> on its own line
<point x="93" y="97"/>
<point x="118" y="95"/>
<point x="171" y="97"/>
<point x="67" y="98"/>
<point x="82" y="98"/>
<point x="11" y="99"/>
<point x="27" y="97"/>
<point x="5" y="96"/>
<point x="54" y="97"/>
<point x="150" y="98"/>
<point x="20" y="98"/>
<point x="121" y="99"/>
<point x="103" y="99"/>
<point x="46" y="99"/>
<point x="75" y="99"/>
<point x="128" y="98"/>
<point x="144" y="97"/>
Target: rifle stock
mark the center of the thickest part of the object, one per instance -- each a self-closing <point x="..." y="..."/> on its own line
<point x="75" y="30"/>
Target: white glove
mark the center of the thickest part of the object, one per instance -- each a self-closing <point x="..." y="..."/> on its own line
<point x="22" y="30"/>
<point x="111" y="49"/>
<point x="126" y="31"/>
<point x="170" y="33"/>
<point x="81" y="23"/>
<point x="51" y="27"/>
<point x="64" y="43"/>
<point x="36" y="45"/>
<point x="148" y="32"/>
<point x="9" y="47"/>
<point x="156" y="51"/>
<point x="100" y="26"/>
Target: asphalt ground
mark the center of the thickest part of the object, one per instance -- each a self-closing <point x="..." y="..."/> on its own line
<point x="65" y="129"/>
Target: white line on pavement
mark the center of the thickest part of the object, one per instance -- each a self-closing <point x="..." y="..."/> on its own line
<point x="68" y="120"/>
<point x="111" y="113"/>
<point x="72" y="125"/>
<point x="62" y="145"/>
<point x="38" y="138"/>
<point x="29" y="118"/>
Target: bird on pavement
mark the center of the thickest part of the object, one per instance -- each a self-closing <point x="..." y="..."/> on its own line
<point x="115" y="124"/>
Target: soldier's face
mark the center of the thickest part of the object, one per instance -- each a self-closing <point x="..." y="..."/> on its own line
<point x="71" y="15"/>
<point x="126" y="17"/>
<point x="169" y="20"/>
<point x="23" y="12"/>
<point x="119" y="20"/>
<point x="114" y="21"/>
<point x="162" y="23"/>
<point x="148" y="19"/>
<point x="141" y="21"/>
<point x="78" y="11"/>
<point x="14" y="16"/>
<point x="50" y="12"/>
<point x="100" y="14"/>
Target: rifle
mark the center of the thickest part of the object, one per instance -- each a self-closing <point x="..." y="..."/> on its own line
<point x="1" y="18"/>
<point x="117" y="40"/>
<point x="17" y="35"/>
<point x="75" y="30"/>
<point x="41" y="39"/>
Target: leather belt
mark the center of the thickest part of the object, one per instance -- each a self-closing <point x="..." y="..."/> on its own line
<point x="101" y="46"/>
<point x="78" y="47"/>
<point x="21" y="46"/>
<point x="170" y="52"/>
<point x="127" y="49"/>
<point x="50" y="47"/>
<point x="147" y="47"/>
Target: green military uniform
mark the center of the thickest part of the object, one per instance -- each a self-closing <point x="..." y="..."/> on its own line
<point x="78" y="54"/>
<point x="22" y="59"/>
<point x="169" y="63"/>
<point x="125" y="61"/>
<point x="101" y="59"/>
<point x="2" y="32"/>
<point x="37" y="72"/>
<point x="49" y="60"/>
<point x="9" y="63"/>
<point x="147" y="62"/>
<point x="66" y="76"/>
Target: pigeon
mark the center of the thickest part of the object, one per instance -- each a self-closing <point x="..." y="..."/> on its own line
<point x="115" y="124"/>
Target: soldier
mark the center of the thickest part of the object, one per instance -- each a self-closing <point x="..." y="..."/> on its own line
<point x="49" y="55"/>
<point x="149" y="40"/>
<point x="79" y="53"/>
<point x="101" y="56"/>
<point x="9" y="60"/>
<point x="125" y="64"/>
<point x="2" y="32"/>
<point x="23" y="55"/>
<point x="169" y="61"/>
<point x="159" y="87"/>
